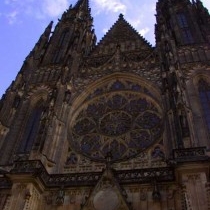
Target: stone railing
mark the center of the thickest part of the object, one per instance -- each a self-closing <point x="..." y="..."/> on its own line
<point x="146" y="175"/>
<point x="190" y="154"/>
<point x="37" y="170"/>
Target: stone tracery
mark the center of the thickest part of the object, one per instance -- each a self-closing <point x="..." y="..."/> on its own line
<point x="120" y="120"/>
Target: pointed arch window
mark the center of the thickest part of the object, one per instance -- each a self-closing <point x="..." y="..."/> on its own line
<point x="63" y="38"/>
<point x="31" y="130"/>
<point x="204" y="93"/>
<point x="185" y="29"/>
<point x="182" y="20"/>
<point x="60" y="47"/>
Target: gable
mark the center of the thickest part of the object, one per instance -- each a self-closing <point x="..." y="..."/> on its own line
<point x="124" y="35"/>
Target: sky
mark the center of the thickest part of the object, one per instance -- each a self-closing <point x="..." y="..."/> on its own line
<point x="23" y="21"/>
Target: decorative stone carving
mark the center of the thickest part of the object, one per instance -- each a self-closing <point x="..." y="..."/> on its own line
<point x="72" y="198"/>
<point x="125" y="122"/>
<point x="106" y="199"/>
<point x="27" y="194"/>
<point x="72" y="159"/>
<point x="170" y="194"/>
<point x="16" y="101"/>
<point x="60" y="196"/>
<point x="143" y="195"/>
<point x="156" y="193"/>
<point x="157" y="153"/>
<point x="49" y="199"/>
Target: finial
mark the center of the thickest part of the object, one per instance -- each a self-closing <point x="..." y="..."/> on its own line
<point x="50" y="25"/>
<point x="121" y="16"/>
<point x="48" y="29"/>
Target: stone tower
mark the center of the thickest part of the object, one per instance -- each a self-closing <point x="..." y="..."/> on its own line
<point x="117" y="125"/>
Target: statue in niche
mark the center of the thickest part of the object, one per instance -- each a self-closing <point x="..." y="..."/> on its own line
<point x="72" y="199"/>
<point x="143" y="195"/>
<point x="69" y="90"/>
<point x="170" y="194"/>
<point x="158" y="153"/>
<point x="72" y="159"/>
<point x="90" y="39"/>
<point x="16" y="102"/>
<point x="49" y="199"/>
<point x="52" y="96"/>
<point x="183" y="122"/>
<point x="67" y="96"/>
<point x="60" y="196"/>
<point x="156" y="193"/>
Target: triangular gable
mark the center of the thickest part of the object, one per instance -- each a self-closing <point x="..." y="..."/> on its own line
<point x="121" y="32"/>
<point x="107" y="195"/>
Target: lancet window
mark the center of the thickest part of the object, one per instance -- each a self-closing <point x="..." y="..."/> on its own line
<point x="60" y="46"/>
<point x="185" y="29"/>
<point x="31" y="130"/>
<point x="204" y="93"/>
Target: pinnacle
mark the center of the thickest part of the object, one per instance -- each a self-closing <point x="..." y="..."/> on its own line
<point x="80" y="9"/>
<point x="49" y="27"/>
<point x="121" y="16"/>
<point x="47" y="31"/>
<point x="82" y="4"/>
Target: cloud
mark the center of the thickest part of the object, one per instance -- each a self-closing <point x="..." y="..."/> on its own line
<point x="105" y="30"/>
<point x="135" y="23"/>
<point x="54" y="8"/>
<point x="10" y="1"/>
<point x="144" y="31"/>
<point x="115" y="6"/>
<point x="39" y="9"/>
<point x="12" y="17"/>
<point x="206" y="3"/>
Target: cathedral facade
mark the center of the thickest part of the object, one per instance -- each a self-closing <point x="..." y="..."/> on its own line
<point x="117" y="125"/>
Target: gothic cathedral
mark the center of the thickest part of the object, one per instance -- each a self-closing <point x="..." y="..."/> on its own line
<point x="117" y="125"/>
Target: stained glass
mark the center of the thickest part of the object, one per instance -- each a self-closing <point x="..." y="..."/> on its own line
<point x="31" y="130"/>
<point x="122" y="122"/>
<point x="204" y="93"/>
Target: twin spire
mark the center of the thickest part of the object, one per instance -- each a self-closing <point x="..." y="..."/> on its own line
<point x="82" y="4"/>
<point x="79" y="7"/>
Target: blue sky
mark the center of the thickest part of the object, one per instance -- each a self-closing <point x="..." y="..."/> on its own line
<point x="23" y="21"/>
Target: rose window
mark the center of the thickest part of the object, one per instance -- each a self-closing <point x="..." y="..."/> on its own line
<point x="122" y="124"/>
<point x="115" y="123"/>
